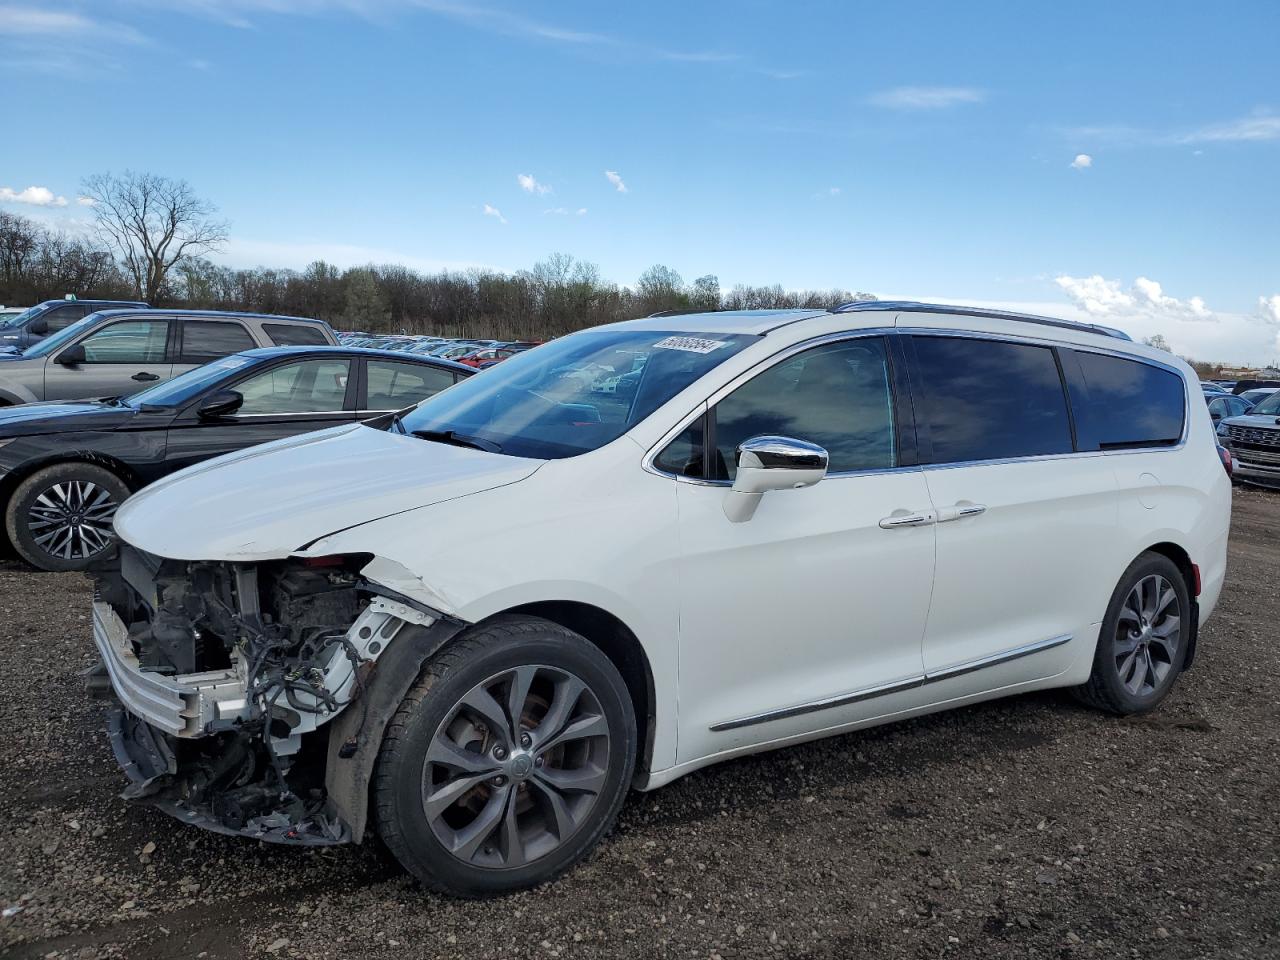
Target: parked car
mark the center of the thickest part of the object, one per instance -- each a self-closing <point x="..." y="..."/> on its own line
<point x="1257" y="394"/>
<point x="1254" y="442"/>
<point x="120" y="351"/>
<point x="35" y="323"/>
<point x="797" y="524"/>
<point x="1211" y="389"/>
<point x="1225" y="405"/>
<point x="66" y="467"/>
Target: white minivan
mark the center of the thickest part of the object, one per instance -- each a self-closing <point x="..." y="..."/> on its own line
<point x="647" y="547"/>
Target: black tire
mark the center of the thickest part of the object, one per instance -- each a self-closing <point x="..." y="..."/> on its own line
<point x="432" y="708"/>
<point x="84" y="548"/>
<point x="1106" y="688"/>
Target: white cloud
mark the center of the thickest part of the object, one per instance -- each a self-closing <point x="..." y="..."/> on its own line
<point x="492" y="211"/>
<point x="530" y="185"/>
<point x="613" y="177"/>
<point x="1261" y="126"/>
<point x="581" y="212"/>
<point x="558" y="211"/>
<point x="85" y="201"/>
<point x="31" y="22"/>
<point x="1269" y="307"/>
<point x="36" y="196"/>
<point x="925" y="98"/>
<point x="1082" y="162"/>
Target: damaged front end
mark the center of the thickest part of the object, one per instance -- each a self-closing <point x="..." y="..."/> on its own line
<point x="228" y="675"/>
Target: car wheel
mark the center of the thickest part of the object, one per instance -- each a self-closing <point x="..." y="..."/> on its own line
<point x="59" y="518"/>
<point x="507" y="760"/>
<point x="1143" y="640"/>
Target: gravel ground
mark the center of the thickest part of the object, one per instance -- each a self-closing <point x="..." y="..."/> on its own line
<point x="1026" y="827"/>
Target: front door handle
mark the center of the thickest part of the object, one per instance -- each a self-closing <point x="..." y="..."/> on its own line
<point x="897" y="520"/>
<point x="961" y="510"/>
<point x="144" y="377"/>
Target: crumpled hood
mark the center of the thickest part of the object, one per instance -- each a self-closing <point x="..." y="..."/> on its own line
<point x="268" y="501"/>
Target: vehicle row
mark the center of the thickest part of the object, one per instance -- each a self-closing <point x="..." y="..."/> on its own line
<point x="474" y="353"/>
<point x="471" y="626"/>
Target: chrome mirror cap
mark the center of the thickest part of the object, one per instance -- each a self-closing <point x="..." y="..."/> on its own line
<point x="772" y="463"/>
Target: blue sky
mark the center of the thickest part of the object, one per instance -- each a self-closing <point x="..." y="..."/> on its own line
<point x="1117" y="160"/>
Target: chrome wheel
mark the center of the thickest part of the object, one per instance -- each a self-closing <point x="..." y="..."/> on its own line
<point x="72" y="519"/>
<point x="1148" y="632"/>
<point x="516" y="767"/>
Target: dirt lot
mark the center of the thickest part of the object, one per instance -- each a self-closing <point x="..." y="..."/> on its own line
<point x="1028" y="827"/>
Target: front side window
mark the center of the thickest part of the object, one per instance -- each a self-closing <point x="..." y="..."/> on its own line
<point x="837" y="396"/>
<point x="989" y="399"/>
<point x="574" y="394"/>
<point x="394" y="386"/>
<point x="307" y="386"/>
<point x="205" y="340"/>
<point x="1122" y="403"/>
<point x="129" y="341"/>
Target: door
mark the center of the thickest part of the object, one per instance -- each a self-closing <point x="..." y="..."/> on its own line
<point x="1023" y="522"/>
<point x="120" y="358"/>
<point x="205" y="340"/>
<point x="810" y="614"/>
<point x="288" y="399"/>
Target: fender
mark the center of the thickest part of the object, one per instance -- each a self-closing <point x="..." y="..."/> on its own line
<point x="355" y="736"/>
<point x="10" y="398"/>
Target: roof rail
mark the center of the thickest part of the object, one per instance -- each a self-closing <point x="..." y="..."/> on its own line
<point x="682" y="312"/>
<point x="911" y="306"/>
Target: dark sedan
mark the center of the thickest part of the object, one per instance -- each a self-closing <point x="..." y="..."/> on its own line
<point x="65" y="467"/>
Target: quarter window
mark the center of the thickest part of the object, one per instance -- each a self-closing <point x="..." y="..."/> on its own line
<point x="130" y="341"/>
<point x="1122" y="403"/>
<point x="990" y="399"/>
<point x="308" y="386"/>
<point x="837" y="396"/>
<point x="393" y="386"/>
<point x="205" y="340"/>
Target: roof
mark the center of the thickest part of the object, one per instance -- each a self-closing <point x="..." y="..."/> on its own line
<point x="266" y="353"/>
<point x="213" y="314"/>
<point x="755" y="322"/>
<point x="912" y="306"/>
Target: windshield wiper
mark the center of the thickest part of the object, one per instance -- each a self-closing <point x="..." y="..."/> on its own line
<point x="458" y="440"/>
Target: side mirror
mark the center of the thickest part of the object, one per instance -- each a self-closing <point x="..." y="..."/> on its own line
<point x="72" y="356"/>
<point x="772" y="463"/>
<point x="220" y="404"/>
<point x="38" y="327"/>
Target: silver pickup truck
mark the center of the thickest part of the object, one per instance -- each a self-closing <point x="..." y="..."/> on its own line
<point x="118" y="352"/>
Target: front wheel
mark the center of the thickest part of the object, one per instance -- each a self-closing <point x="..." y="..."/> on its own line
<point x="507" y="760"/>
<point x="60" y="517"/>
<point x="1143" y="640"/>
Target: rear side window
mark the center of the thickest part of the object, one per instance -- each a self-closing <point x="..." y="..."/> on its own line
<point x="990" y="399"/>
<point x="205" y="340"/>
<point x="1122" y="403"/>
<point x="295" y="334"/>
<point x="393" y="386"/>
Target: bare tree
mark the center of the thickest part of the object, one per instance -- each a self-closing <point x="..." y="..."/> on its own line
<point x="153" y="223"/>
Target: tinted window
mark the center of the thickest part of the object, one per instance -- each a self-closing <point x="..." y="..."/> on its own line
<point x="1125" y="403"/>
<point x="683" y="455"/>
<point x="989" y="400"/>
<point x="836" y="396"/>
<point x="129" y="341"/>
<point x="308" y="386"/>
<point x="393" y="386"/>
<point x="205" y="340"/>
<point x="60" y="318"/>
<point x="295" y="334"/>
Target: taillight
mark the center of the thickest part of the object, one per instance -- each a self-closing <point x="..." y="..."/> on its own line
<point x="1225" y="456"/>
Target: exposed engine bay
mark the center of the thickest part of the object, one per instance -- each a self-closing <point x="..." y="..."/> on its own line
<point x="228" y="676"/>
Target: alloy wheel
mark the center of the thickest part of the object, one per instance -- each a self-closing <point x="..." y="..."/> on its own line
<point x="1148" y="632"/>
<point x="72" y="519"/>
<point x="516" y="767"/>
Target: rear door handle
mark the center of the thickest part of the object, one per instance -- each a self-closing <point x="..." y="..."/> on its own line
<point x="908" y="520"/>
<point x="144" y="377"/>
<point x="960" y="511"/>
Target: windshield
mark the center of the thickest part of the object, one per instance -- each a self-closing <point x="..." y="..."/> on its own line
<point x="572" y="395"/>
<point x="15" y="319"/>
<point x="1270" y="406"/>
<point x="55" y="341"/>
<point x="185" y="386"/>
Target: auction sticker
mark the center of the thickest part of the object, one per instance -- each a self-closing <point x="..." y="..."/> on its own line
<point x="690" y="344"/>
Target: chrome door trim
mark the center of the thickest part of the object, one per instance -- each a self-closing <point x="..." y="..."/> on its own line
<point x="896" y="686"/>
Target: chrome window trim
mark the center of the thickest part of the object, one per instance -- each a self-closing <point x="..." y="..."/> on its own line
<point x="294" y="413"/>
<point x="647" y="464"/>
<point x="895" y="686"/>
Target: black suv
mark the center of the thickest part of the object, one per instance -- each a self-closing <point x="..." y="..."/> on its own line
<point x="35" y="323"/>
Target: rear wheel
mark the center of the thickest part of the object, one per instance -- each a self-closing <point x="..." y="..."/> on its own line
<point x="507" y="760"/>
<point x="59" y="518"/>
<point x="1143" y="642"/>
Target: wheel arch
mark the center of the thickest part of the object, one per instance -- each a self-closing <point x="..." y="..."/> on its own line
<point x="13" y="479"/>
<point x="1178" y="555"/>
